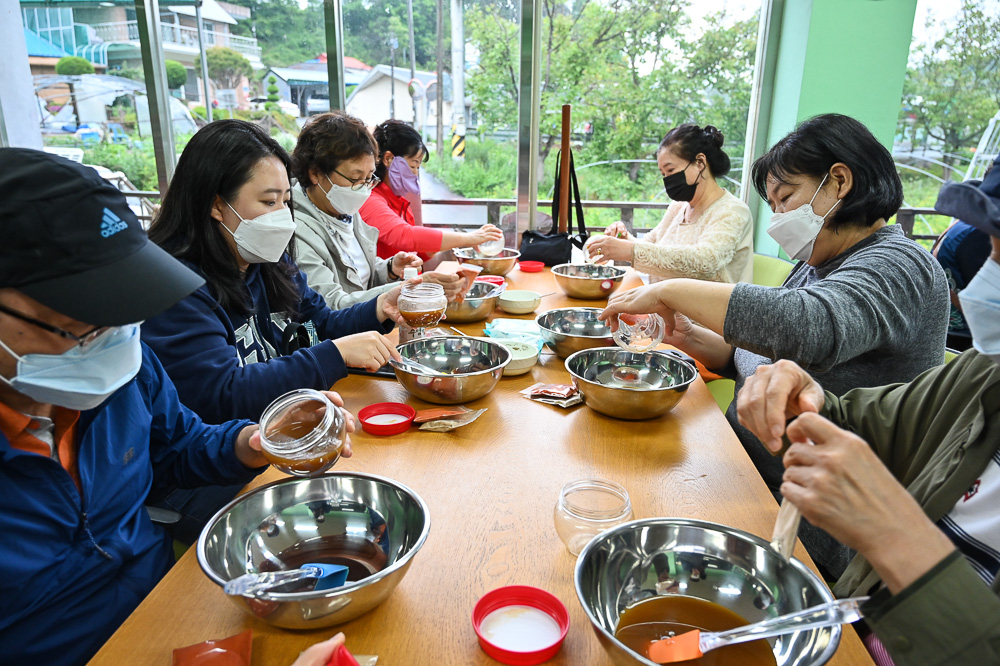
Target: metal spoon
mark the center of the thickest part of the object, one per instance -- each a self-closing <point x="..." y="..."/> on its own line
<point x="409" y="365"/>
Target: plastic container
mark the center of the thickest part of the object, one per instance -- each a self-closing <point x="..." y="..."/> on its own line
<point x="495" y="280"/>
<point x="384" y="409"/>
<point x="639" y="333"/>
<point x="531" y="266"/>
<point x="491" y="248"/>
<point x="302" y="433"/>
<point x="587" y="507"/>
<point x="518" y="606"/>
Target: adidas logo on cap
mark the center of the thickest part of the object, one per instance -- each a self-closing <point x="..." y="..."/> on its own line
<point x="111" y="224"/>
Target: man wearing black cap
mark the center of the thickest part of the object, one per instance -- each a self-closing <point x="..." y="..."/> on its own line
<point x="908" y="476"/>
<point x="89" y="421"/>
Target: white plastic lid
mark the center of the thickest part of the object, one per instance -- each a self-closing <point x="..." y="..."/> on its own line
<point x="410" y="272"/>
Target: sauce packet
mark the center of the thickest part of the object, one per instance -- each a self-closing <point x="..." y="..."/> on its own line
<point x="444" y="425"/>
<point x="425" y="415"/>
<point x="550" y="390"/>
<point x="231" y="651"/>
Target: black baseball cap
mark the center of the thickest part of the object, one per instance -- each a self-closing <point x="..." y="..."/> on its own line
<point x="975" y="203"/>
<point x="71" y="242"/>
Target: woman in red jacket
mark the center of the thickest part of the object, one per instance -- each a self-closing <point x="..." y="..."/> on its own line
<point x="400" y="153"/>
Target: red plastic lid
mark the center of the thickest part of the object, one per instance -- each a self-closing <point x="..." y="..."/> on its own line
<point x="491" y="279"/>
<point x="531" y="266"/>
<point x="380" y="408"/>
<point x="520" y="595"/>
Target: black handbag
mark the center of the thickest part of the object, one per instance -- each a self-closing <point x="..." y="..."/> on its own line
<point x="557" y="248"/>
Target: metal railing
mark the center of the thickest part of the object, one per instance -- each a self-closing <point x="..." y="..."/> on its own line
<point x="172" y="33"/>
<point x="905" y="218"/>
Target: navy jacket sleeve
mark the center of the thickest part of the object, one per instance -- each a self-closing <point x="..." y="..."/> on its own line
<point x="185" y="451"/>
<point x="197" y="345"/>
<point x="332" y="324"/>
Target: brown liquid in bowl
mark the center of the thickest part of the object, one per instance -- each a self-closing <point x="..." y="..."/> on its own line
<point x="661" y="617"/>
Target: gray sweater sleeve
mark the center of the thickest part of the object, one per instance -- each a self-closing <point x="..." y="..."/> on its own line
<point x="874" y="298"/>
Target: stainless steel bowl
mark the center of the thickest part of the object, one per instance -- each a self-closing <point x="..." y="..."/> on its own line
<point x="630" y="385"/>
<point x="475" y="367"/>
<point x="588" y="281"/>
<point x="646" y="558"/>
<point x="479" y="303"/>
<point x="364" y="521"/>
<point x="498" y="265"/>
<point x="569" y="330"/>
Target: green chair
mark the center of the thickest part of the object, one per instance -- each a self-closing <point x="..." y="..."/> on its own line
<point x="950" y="355"/>
<point x="770" y="271"/>
<point x="723" y="390"/>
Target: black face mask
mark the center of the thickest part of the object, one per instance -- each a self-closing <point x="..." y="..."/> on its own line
<point x="677" y="186"/>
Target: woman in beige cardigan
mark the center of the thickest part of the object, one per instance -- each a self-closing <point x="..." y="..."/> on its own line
<point x="706" y="234"/>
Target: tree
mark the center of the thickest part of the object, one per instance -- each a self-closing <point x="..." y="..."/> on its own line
<point x="176" y="74"/>
<point x="225" y="67"/>
<point x="952" y="87"/>
<point x="273" y="94"/>
<point x="74" y="66"/>
<point x="287" y="33"/>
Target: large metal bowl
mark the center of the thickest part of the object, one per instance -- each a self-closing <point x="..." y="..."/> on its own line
<point x="658" y="556"/>
<point x="361" y="520"/>
<point x="498" y="265"/>
<point x="630" y="385"/>
<point x="588" y="281"/>
<point x="474" y="366"/>
<point x="479" y="303"/>
<point x="569" y="330"/>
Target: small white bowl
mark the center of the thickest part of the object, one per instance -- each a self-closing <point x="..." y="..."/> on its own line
<point x="523" y="355"/>
<point x="519" y="301"/>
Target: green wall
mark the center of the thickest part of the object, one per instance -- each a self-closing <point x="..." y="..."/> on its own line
<point x="843" y="56"/>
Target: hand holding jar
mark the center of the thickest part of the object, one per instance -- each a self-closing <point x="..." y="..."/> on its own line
<point x="305" y="432"/>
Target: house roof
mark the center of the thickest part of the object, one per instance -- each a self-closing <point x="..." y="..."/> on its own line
<point x="39" y="47"/>
<point x="320" y="62"/>
<point x="210" y="11"/>
<point x="403" y="76"/>
<point x="305" y="77"/>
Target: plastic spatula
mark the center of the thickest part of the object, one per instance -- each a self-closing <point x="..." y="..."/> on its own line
<point x="256" y="584"/>
<point x="694" y="644"/>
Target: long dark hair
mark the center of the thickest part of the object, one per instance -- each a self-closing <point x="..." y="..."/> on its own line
<point x="218" y="161"/>
<point x="398" y="138"/>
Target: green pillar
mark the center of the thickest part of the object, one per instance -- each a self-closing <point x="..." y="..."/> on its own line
<point x="837" y="56"/>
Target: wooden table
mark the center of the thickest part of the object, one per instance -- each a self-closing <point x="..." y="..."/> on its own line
<point x="491" y="487"/>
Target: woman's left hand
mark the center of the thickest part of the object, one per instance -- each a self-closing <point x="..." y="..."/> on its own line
<point x="610" y="249"/>
<point x="320" y="653"/>
<point x="404" y="260"/>
<point x="386" y="306"/>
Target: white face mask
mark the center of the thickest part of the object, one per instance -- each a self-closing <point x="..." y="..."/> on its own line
<point x="263" y="239"/>
<point x="796" y="230"/>
<point x="345" y="200"/>
<point x="82" y="377"/>
<point x="981" y="307"/>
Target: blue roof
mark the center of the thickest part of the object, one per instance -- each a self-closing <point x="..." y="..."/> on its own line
<point x="42" y="48"/>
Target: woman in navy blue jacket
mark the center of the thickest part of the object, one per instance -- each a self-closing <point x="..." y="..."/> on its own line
<point x="255" y="330"/>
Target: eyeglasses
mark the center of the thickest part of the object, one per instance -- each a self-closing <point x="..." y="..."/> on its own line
<point x="358" y="184"/>
<point x="82" y="341"/>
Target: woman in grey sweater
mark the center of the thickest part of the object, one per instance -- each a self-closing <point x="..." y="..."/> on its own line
<point x="864" y="305"/>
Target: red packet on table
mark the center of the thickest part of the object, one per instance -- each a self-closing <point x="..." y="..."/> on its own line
<point x="439" y="413"/>
<point x="468" y="271"/>
<point x="550" y="390"/>
<point x="231" y="651"/>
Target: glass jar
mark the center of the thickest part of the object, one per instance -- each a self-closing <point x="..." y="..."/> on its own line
<point x="639" y="333"/>
<point x="422" y="305"/>
<point x="586" y="508"/>
<point x="302" y="433"/>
